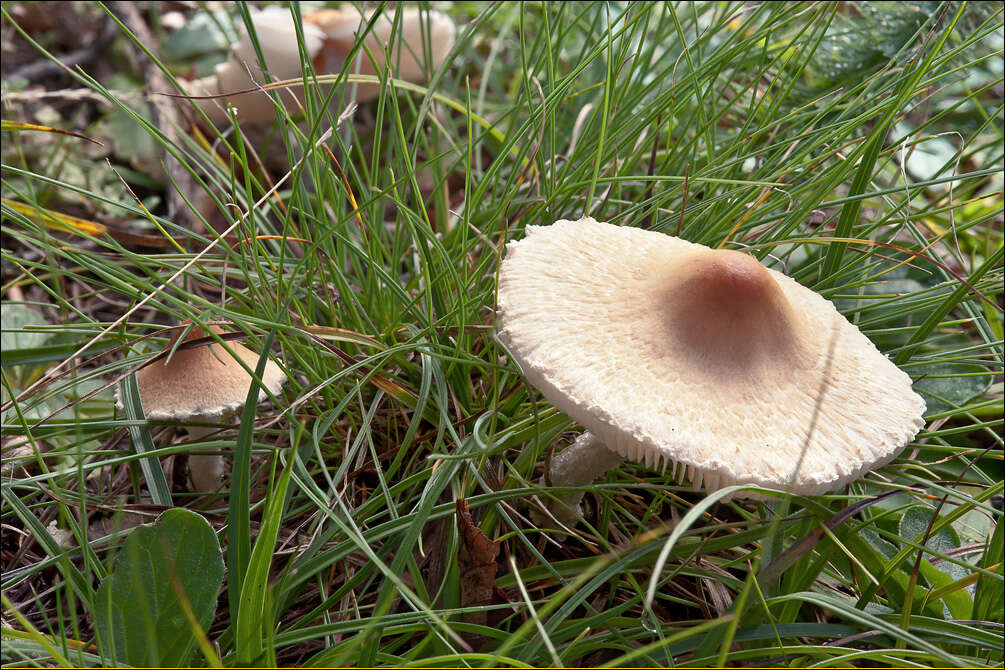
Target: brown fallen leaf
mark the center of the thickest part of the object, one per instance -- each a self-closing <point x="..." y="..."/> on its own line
<point x="477" y="561"/>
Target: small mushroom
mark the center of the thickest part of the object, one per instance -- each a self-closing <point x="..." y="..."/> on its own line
<point x="329" y="36"/>
<point x="417" y="32"/>
<point x="704" y="360"/>
<point x="202" y="382"/>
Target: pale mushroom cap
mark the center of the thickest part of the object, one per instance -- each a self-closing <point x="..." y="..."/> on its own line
<point x="202" y="381"/>
<point x="405" y="46"/>
<point x="277" y="36"/>
<point x="702" y="359"/>
<point x="329" y="35"/>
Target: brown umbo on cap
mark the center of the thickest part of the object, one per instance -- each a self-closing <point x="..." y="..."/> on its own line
<point x="202" y="381"/>
<point x="703" y="360"/>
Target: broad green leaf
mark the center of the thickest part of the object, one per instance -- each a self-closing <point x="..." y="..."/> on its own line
<point x="877" y="543"/>
<point x="205" y="33"/>
<point x="940" y="574"/>
<point x="946" y="386"/>
<point x="33" y="410"/>
<point x="952" y="592"/>
<point x="871" y="306"/>
<point x="16" y="347"/>
<point x="872" y="552"/>
<point x="163" y="588"/>
<point x="914" y="524"/>
<point x="860" y="40"/>
<point x="15" y="317"/>
<point x="128" y="138"/>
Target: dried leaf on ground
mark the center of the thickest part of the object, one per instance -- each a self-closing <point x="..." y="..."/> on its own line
<point x="477" y="561"/>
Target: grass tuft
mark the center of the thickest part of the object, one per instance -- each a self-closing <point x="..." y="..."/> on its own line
<point x="855" y="146"/>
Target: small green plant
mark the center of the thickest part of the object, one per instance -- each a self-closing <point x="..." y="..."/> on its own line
<point x="156" y="605"/>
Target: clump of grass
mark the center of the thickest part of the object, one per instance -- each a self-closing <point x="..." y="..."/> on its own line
<point x="871" y="172"/>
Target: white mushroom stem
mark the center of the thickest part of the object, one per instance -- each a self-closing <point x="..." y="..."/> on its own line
<point x="579" y="464"/>
<point x="206" y="470"/>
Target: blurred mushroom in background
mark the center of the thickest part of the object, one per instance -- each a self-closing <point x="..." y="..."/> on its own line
<point x="409" y="42"/>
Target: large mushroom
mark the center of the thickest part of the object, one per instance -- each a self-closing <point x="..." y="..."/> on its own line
<point x="722" y="370"/>
<point x="202" y="382"/>
<point x="329" y="36"/>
